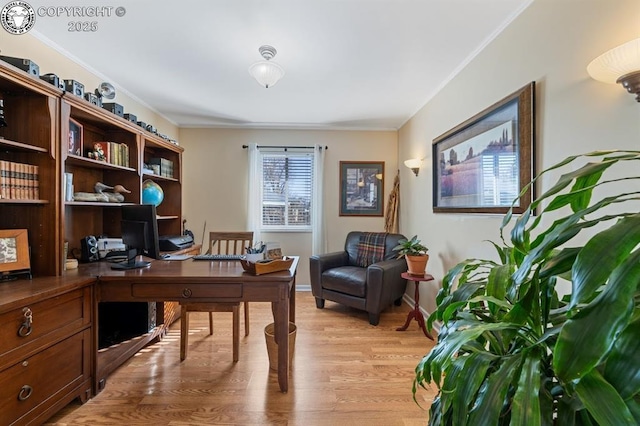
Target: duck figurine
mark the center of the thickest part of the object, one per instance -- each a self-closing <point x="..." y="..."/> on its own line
<point x="101" y="195"/>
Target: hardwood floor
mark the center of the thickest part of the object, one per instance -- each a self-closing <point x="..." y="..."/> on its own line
<point x="344" y="372"/>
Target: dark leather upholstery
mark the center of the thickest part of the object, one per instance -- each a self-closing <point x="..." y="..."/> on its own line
<point x="337" y="277"/>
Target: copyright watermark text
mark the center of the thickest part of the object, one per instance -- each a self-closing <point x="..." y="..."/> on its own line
<point x="80" y="11"/>
<point x="18" y="17"/>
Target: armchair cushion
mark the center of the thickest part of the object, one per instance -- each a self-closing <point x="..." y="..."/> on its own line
<point x="350" y="280"/>
<point x="370" y="248"/>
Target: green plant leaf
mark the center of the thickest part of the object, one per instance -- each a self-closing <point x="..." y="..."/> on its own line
<point x="602" y="401"/>
<point x="585" y="178"/>
<point x="443" y="353"/>
<point x="634" y="408"/>
<point x="491" y="398"/>
<point x="497" y="284"/>
<point x="525" y="409"/>
<point x="475" y="370"/>
<point x="448" y="392"/>
<point x="601" y="255"/>
<point x="623" y="369"/>
<point x="566" y="412"/>
<point x="589" y="335"/>
<point x="560" y="263"/>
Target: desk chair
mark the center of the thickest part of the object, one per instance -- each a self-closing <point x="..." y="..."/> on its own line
<point x="219" y="243"/>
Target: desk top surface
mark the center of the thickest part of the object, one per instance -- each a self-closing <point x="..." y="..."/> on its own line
<point x="170" y="270"/>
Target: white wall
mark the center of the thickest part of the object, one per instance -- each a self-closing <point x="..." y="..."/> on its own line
<point x="215" y="181"/>
<point x="550" y="43"/>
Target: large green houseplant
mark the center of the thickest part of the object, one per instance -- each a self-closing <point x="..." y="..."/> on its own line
<point x="512" y="352"/>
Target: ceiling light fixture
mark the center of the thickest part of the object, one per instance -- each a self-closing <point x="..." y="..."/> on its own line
<point x="267" y="73"/>
<point x="619" y="65"/>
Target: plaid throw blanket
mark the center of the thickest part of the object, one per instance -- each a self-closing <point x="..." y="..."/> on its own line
<point x="371" y="248"/>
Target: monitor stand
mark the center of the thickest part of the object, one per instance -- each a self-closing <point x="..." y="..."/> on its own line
<point x="131" y="263"/>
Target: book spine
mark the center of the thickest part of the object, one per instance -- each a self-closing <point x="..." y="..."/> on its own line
<point x="22" y="176"/>
<point x="68" y="185"/>
<point x="12" y="180"/>
<point x="36" y="182"/>
<point x="4" y="179"/>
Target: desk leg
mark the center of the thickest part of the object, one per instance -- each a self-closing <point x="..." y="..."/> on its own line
<point x="292" y="302"/>
<point x="281" y="320"/>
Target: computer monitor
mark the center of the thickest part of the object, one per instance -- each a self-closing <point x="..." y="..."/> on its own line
<point x="140" y="235"/>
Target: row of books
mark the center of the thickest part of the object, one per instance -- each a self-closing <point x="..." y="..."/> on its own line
<point x="161" y="166"/>
<point x="111" y="152"/>
<point x="19" y="181"/>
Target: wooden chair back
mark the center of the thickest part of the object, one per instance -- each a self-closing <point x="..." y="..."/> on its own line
<point x="229" y="242"/>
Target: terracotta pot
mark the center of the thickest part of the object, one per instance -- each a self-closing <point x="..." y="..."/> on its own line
<point x="417" y="264"/>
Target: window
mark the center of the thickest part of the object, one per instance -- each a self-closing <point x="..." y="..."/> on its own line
<point x="286" y="190"/>
<point x="500" y="180"/>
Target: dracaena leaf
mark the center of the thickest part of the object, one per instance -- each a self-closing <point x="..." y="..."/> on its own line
<point x="623" y="369"/>
<point x="601" y="255"/>
<point x="491" y="398"/>
<point x="602" y="401"/>
<point x="525" y="409"/>
<point x="475" y="371"/>
<point x="588" y="336"/>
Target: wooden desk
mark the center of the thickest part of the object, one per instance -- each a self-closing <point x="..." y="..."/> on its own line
<point x="204" y="281"/>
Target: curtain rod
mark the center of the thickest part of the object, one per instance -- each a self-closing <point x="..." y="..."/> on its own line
<point x="284" y="147"/>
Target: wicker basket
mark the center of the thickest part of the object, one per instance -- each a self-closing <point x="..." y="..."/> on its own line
<point x="272" y="346"/>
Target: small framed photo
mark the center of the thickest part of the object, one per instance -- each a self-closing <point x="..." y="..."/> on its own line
<point x="75" y="137"/>
<point x="361" y="186"/>
<point x="14" y="251"/>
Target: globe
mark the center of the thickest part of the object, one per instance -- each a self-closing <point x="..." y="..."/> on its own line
<point x="152" y="193"/>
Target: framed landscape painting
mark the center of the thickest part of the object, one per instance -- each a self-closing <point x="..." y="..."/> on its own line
<point x="483" y="164"/>
<point x="361" y="185"/>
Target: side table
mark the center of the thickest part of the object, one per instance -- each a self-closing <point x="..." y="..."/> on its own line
<point x="415" y="312"/>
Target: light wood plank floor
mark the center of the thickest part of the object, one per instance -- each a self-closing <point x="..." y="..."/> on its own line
<point x="344" y="372"/>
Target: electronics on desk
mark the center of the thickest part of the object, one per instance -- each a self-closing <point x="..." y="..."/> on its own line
<point x="89" y="249"/>
<point x="109" y="245"/>
<point x="175" y="242"/>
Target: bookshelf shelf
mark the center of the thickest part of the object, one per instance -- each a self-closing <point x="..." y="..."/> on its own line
<point x="18" y="146"/>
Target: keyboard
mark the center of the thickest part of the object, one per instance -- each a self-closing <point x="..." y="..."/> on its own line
<point x="215" y="257"/>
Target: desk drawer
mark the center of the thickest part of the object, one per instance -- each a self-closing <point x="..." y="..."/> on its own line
<point x="52" y="319"/>
<point x="164" y="291"/>
<point x="55" y="371"/>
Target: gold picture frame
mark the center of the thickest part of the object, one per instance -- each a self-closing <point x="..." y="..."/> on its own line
<point x="14" y="251"/>
<point x="484" y="164"/>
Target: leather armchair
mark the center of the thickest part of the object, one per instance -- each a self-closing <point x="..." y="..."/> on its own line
<point x="337" y="277"/>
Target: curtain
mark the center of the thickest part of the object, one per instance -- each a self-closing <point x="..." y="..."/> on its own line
<point x="318" y="238"/>
<point x="391" y="215"/>
<point x="254" y="195"/>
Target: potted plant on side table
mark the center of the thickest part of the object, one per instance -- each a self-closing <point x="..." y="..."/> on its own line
<point x="415" y="254"/>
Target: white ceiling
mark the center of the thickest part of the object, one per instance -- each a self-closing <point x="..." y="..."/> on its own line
<point x="349" y="64"/>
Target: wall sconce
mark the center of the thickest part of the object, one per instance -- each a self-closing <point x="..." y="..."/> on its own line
<point x="619" y="65"/>
<point x="414" y="164"/>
